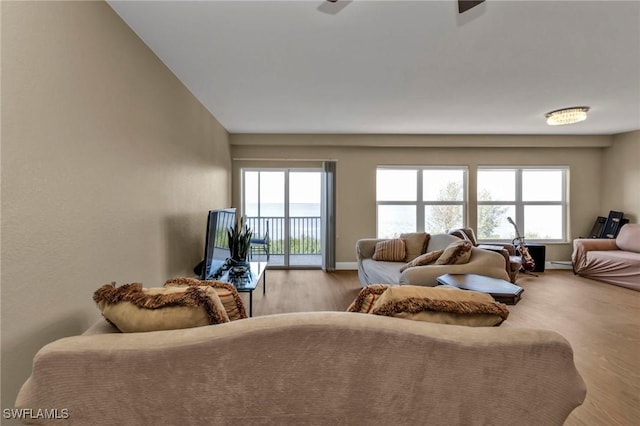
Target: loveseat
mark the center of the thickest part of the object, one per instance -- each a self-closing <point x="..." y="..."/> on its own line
<point x="370" y="271"/>
<point x="315" y="368"/>
<point x="612" y="261"/>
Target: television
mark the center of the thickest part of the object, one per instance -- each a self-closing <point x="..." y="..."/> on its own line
<point x="216" y="247"/>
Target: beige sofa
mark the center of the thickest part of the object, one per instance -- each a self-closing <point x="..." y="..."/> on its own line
<point x="612" y="261"/>
<point x="316" y="368"/>
<point x="482" y="262"/>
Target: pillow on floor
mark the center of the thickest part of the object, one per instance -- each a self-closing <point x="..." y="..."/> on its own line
<point x="367" y="297"/>
<point x="416" y="244"/>
<point x="445" y="305"/>
<point x="456" y="253"/>
<point x="227" y="293"/>
<point x="132" y="308"/>
<point x="423" y="259"/>
<point x="390" y="250"/>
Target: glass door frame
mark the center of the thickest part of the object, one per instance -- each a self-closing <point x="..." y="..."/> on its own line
<point x="287" y="217"/>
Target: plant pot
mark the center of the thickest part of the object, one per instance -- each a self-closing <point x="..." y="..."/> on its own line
<point x="238" y="267"/>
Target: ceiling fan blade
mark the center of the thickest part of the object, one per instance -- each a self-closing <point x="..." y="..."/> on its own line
<point x="464" y="5"/>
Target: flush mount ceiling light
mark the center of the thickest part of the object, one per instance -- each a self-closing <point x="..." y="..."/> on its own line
<point x="567" y="115"/>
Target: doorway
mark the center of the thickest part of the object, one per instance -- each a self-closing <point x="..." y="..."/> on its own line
<point x="286" y="204"/>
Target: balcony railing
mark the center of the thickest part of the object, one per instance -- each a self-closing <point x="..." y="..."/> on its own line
<point x="304" y="233"/>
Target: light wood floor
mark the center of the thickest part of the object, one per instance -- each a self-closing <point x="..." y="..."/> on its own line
<point x="601" y="321"/>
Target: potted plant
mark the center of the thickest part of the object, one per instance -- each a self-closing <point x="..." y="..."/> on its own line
<point x="239" y="244"/>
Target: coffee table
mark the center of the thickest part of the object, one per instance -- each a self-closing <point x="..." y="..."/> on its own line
<point x="248" y="281"/>
<point x="501" y="290"/>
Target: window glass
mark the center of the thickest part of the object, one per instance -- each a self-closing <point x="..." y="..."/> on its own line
<point x="396" y="185"/>
<point x="442" y="185"/>
<point x="493" y="223"/>
<point x="394" y="220"/>
<point x="542" y="185"/>
<point x="543" y="222"/>
<point x="438" y="219"/>
<point x="251" y="193"/>
<point x="496" y="185"/>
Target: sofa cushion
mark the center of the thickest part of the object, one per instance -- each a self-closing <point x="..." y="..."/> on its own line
<point x="380" y="272"/>
<point x="390" y="250"/>
<point x="367" y="297"/>
<point x="423" y="259"/>
<point x="416" y="244"/>
<point x="456" y="253"/>
<point x="132" y="308"/>
<point x="227" y="293"/>
<point x="442" y="304"/>
<point x="629" y="238"/>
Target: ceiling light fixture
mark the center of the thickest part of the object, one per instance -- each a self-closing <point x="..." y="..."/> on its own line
<point x="567" y="115"/>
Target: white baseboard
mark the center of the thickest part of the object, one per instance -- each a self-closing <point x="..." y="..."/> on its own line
<point x="346" y="266"/>
<point x="558" y="264"/>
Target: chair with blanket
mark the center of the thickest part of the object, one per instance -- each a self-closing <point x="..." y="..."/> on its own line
<point x="513" y="261"/>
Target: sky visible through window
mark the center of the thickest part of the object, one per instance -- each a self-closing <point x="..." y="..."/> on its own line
<point x="540" y="200"/>
<point x="304" y="193"/>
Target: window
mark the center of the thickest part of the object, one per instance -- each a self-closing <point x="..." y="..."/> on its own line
<point x="429" y="199"/>
<point x="535" y="198"/>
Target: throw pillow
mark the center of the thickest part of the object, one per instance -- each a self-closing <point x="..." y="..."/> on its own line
<point x="367" y="297"/>
<point x="390" y="250"/>
<point x="456" y="253"/>
<point x="416" y="244"/>
<point x="445" y="305"/>
<point x="227" y="293"/>
<point x="423" y="259"/>
<point x="132" y="308"/>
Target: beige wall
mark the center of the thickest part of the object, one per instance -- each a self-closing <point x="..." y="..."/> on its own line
<point x="109" y="166"/>
<point x="621" y="176"/>
<point x="356" y="198"/>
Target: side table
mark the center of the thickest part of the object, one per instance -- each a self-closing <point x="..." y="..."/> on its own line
<point x="248" y="281"/>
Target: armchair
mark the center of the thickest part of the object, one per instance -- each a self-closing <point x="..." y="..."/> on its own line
<point x="260" y="244"/>
<point x="513" y="261"/>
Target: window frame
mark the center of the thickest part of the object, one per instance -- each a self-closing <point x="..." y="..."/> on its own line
<point x="520" y="204"/>
<point x="420" y="204"/>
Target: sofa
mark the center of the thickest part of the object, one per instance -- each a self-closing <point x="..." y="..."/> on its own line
<point x="314" y="368"/>
<point x="370" y="271"/>
<point x="614" y="261"/>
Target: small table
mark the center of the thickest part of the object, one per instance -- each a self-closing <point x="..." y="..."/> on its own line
<point x="501" y="290"/>
<point x="248" y="281"/>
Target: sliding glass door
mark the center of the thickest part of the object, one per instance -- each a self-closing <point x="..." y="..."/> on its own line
<point x="286" y="204"/>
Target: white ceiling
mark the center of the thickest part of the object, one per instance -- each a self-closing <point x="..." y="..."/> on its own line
<point x="405" y="67"/>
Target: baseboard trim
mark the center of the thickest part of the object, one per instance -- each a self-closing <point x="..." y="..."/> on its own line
<point x="555" y="264"/>
<point x="346" y="266"/>
<point x="558" y="264"/>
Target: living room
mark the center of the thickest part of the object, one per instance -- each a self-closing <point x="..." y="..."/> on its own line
<point x="110" y="163"/>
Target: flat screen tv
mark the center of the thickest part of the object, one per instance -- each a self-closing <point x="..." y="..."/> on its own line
<point x="216" y="247"/>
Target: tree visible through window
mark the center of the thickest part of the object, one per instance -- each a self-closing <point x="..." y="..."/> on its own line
<point x="410" y="199"/>
<point x="534" y="197"/>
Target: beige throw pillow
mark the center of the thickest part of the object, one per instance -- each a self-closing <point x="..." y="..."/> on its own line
<point x="445" y="305"/>
<point x="367" y="297"/>
<point x="227" y="293"/>
<point x="390" y="250"/>
<point x="416" y="244"/>
<point x="423" y="259"/>
<point x="456" y="253"/>
<point x="132" y="308"/>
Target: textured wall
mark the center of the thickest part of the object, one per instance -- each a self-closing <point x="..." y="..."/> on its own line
<point x="109" y="165"/>
<point x="621" y="176"/>
<point x="359" y="155"/>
